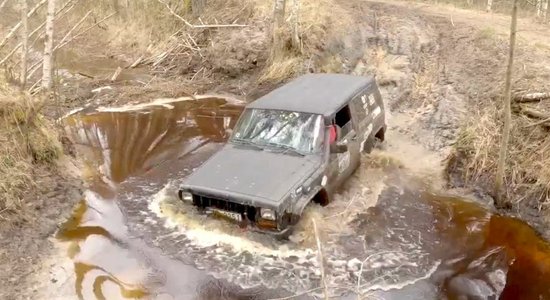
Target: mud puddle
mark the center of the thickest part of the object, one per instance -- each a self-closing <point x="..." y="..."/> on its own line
<point x="387" y="234"/>
<point x="99" y="67"/>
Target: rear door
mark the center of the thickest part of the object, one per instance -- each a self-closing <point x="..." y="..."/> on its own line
<point x="365" y="104"/>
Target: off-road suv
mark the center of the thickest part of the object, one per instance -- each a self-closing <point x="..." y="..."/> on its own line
<point x="293" y="146"/>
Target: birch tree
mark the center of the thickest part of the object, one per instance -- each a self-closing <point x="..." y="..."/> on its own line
<point x="539" y="8"/>
<point x="489" y="5"/>
<point x="47" y="66"/>
<point x="501" y="200"/>
<point x="24" y="43"/>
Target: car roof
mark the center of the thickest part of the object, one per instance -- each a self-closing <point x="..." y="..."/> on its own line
<point x="320" y="94"/>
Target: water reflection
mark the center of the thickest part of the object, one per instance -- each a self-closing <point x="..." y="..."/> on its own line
<point x="413" y="244"/>
<point x="119" y="144"/>
<point x="130" y="142"/>
<point x="470" y="252"/>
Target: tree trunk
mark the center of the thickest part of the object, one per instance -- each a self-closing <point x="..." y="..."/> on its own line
<point x="3" y="3"/>
<point x="197" y="7"/>
<point x="539" y="8"/>
<point x="501" y="200"/>
<point x="490" y="5"/>
<point x="545" y="11"/>
<point x="470" y="2"/>
<point x="296" y="41"/>
<point x="278" y="26"/>
<point x="47" y="66"/>
<point x="24" y="43"/>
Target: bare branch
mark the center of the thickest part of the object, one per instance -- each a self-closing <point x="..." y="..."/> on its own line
<point x="198" y="26"/>
<point x="59" y="13"/>
<point x="84" y="31"/>
<point x="321" y="259"/>
<point x="14" y="29"/>
<point x="533" y="113"/>
<point x="547" y="120"/>
<point x="345" y="210"/>
<point x="75" y="27"/>
<point x="34" y="67"/>
<point x="24" y="42"/>
<point x="532" y="97"/>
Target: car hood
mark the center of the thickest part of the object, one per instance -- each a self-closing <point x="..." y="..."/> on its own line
<point x="252" y="172"/>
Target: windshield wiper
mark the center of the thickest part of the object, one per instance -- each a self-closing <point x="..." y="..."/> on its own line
<point x="246" y="142"/>
<point x="286" y="148"/>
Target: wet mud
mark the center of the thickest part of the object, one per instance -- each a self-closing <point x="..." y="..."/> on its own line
<point x="388" y="234"/>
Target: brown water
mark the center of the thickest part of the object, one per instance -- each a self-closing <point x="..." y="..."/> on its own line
<point x="386" y="235"/>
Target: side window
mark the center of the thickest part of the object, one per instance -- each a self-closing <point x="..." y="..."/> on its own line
<point x="343" y="121"/>
<point x="375" y="108"/>
<point x="365" y="100"/>
<point x="361" y="107"/>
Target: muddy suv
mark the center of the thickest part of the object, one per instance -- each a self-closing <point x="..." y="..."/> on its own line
<point x="293" y="146"/>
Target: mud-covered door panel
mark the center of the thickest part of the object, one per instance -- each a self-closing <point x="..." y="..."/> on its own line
<point x="343" y="163"/>
<point x="363" y="111"/>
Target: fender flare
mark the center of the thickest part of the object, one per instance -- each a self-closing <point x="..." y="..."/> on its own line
<point x="298" y="208"/>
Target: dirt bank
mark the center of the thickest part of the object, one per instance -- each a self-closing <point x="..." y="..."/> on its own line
<point x="436" y="67"/>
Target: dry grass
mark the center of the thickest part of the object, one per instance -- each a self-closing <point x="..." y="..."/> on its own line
<point x="148" y="23"/>
<point x="282" y="68"/>
<point x="527" y="167"/>
<point x="27" y="140"/>
<point x="315" y="20"/>
<point x="486" y="33"/>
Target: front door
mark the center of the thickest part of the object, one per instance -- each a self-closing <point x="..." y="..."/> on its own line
<point x="343" y="164"/>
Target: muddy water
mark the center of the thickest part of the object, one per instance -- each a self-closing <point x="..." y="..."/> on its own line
<point x="387" y="234"/>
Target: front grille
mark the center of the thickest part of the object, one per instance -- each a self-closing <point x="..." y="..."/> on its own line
<point x="245" y="210"/>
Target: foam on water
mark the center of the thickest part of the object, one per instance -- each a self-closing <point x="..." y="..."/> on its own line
<point x="207" y="237"/>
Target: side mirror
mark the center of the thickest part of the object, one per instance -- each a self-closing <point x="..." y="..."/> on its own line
<point x="338" y="148"/>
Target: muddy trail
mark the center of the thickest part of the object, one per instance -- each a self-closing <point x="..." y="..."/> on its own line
<point x="392" y="232"/>
<point x="387" y="234"/>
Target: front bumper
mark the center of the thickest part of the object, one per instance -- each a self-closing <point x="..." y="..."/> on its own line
<point x="250" y="215"/>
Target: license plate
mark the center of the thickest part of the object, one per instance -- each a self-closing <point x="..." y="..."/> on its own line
<point x="228" y="214"/>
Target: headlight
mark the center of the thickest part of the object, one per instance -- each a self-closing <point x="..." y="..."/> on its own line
<point x="267" y="214"/>
<point x="185" y="196"/>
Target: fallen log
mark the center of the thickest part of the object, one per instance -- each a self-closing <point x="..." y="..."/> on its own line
<point x="543" y="118"/>
<point x="533" y="113"/>
<point x="532" y="97"/>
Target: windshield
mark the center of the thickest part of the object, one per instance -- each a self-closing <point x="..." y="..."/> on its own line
<point x="301" y="132"/>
